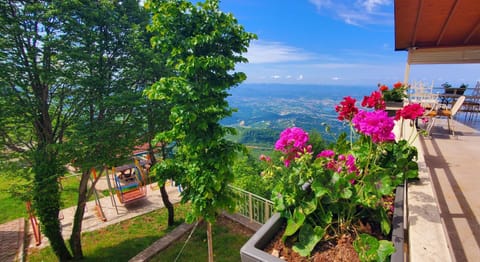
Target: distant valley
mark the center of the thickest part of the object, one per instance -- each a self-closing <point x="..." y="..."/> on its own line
<point x="265" y="110"/>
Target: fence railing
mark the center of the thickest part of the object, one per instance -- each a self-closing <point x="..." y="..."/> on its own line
<point x="252" y="206"/>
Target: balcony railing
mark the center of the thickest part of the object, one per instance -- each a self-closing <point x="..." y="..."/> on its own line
<point x="252" y="206"/>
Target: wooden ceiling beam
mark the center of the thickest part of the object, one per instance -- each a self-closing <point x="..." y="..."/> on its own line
<point x="415" y="26"/>
<point x="417" y="19"/>
<point x="472" y="33"/>
<point x="447" y="21"/>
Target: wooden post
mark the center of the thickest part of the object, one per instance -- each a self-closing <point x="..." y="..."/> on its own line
<point x="210" y="242"/>
<point x="407" y="68"/>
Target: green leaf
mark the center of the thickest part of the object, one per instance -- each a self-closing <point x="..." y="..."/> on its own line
<point x="346" y="193"/>
<point x="384" y="186"/>
<point x="319" y="189"/>
<point x="385" y="250"/>
<point x="309" y="207"/>
<point x="327" y="217"/>
<point x="294" y="223"/>
<point x="308" y="239"/>
<point x="384" y="221"/>
<point x="366" y="247"/>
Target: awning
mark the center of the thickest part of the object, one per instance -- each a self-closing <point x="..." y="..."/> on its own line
<point x="444" y="55"/>
<point x="437" y="23"/>
<point x="438" y="31"/>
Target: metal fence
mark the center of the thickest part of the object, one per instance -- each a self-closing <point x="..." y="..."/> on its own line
<point x="252" y="206"/>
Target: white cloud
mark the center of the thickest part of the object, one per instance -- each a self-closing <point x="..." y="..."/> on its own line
<point x="300" y="77"/>
<point x="321" y="3"/>
<point x="336" y="78"/>
<point x="262" y="52"/>
<point x="276" y="77"/>
<point x="371" y="5"/>
<point x="358" y="12"/>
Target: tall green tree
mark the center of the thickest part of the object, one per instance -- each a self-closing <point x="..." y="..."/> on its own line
<point x="203" y="46"/>
<point x="149" y="68"/>
<point x="37" y="103"/>
<point x="102" y="37"/>
<point x="68" y="89"/>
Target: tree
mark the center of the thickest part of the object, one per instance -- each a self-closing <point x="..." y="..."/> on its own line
<point x="66" y="92"/>
<point x="37" y="101"/>
<point x="150" y="67"/>
<point x="102" y="36"/>
<point x="203" y="46"/>
<point x="157" y="121"/>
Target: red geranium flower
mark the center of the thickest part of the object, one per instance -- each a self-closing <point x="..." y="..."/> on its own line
<point x="383" y="88"/>
<point x="346" y="109"/>
<point x="397" y="85"/>
<point x="411" y="111"/>
<point x="375" y="100"/>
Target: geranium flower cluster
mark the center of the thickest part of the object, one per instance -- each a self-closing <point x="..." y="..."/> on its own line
<point x="375" y="124"/>
<point x="342" y="163"/>
<point x="292" y="143"/>
<point x="346" y="109"/>
<point x="375" y="100"/>
<point x="410" y="111"/>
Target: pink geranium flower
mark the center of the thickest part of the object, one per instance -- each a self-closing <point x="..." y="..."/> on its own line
<point x="343" y="162"/>
<point x="292" y="142"/>
<point x="375" y="124"/>
<point x="327" y="153"/>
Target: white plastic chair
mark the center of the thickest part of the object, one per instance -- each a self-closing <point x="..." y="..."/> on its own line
<point x="420" y="93"/>
<point x="423" y="95"/>
<point x="448" y="113"/>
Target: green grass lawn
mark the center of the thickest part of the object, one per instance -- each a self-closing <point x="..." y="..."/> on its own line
<point x="227" y="241"/>
<point x="13" y="208"/>
<point x="121" y="241"/>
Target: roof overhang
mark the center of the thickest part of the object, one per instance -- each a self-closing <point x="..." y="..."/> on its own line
<point x="438" y="31"/>
<point x="444" y="55"/>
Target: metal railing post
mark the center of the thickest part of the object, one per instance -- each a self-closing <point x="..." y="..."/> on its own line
<point x="255" y="204"/>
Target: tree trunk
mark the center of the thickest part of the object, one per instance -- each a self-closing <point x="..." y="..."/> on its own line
<point x="46" y="196"/>
<point x="76" y="236"/>
<point x="167" y="204"/>
<point x="161" y="184"/>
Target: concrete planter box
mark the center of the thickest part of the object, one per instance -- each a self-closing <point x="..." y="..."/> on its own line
<point x="393" y="106"/>
<point x="252" y="251"/>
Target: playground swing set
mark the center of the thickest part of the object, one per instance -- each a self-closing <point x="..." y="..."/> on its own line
<point x="129" y="182"/>
<point x="129" y="185"/>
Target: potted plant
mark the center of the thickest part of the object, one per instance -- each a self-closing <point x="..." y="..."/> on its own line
<point x="395" y="94"/>
<point x="344" y="191"/>
<point x="447" y="88"/>
<point x="393" y="97"/>
<point x="461" y="89"/>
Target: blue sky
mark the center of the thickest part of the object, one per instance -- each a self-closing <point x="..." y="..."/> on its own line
<point x="340" y="42"/>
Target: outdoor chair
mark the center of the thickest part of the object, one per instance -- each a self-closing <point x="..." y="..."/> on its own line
<point x="471" y="105"/>
<point x="420" y="93"/>
<point x="449" y="114"/>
